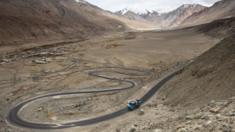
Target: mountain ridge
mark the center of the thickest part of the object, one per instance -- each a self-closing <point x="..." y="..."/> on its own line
<point x="172" y="18"/>
<point x="220" y="10"/>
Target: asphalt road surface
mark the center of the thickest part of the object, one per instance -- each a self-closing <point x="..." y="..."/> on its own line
<point x="15" y="119"/>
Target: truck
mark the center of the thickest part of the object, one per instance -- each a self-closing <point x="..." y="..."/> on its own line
<point x="135" y="104"/>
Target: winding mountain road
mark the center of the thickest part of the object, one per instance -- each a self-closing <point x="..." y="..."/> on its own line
<point x="14" y="118"/>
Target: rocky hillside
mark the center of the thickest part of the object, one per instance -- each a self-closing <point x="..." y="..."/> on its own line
<point x="211" y="75"/>
<point x="24" y="21"/>
<point x="220" y="10"/>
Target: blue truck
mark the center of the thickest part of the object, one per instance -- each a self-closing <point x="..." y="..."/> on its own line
<point x="135" y="104"/>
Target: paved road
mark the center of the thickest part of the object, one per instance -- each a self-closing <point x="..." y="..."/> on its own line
<point x="15" y="119"/>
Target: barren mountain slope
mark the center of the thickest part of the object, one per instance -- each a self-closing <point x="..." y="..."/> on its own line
<point x="24" y="21"/>
<point x="219" y="28"/>
<point x="220" y="10"/>
<point x="209" y="77"/>
<point x="176" y="17"/>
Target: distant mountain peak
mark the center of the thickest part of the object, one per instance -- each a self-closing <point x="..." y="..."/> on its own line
<point x="82" y="1"/>
<point x="131" y="14"/>
<point x="149" y="12"/>
<point x="127" y="10"/>
<point x="191" y="6"/>
<point x="124" y="11"/>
